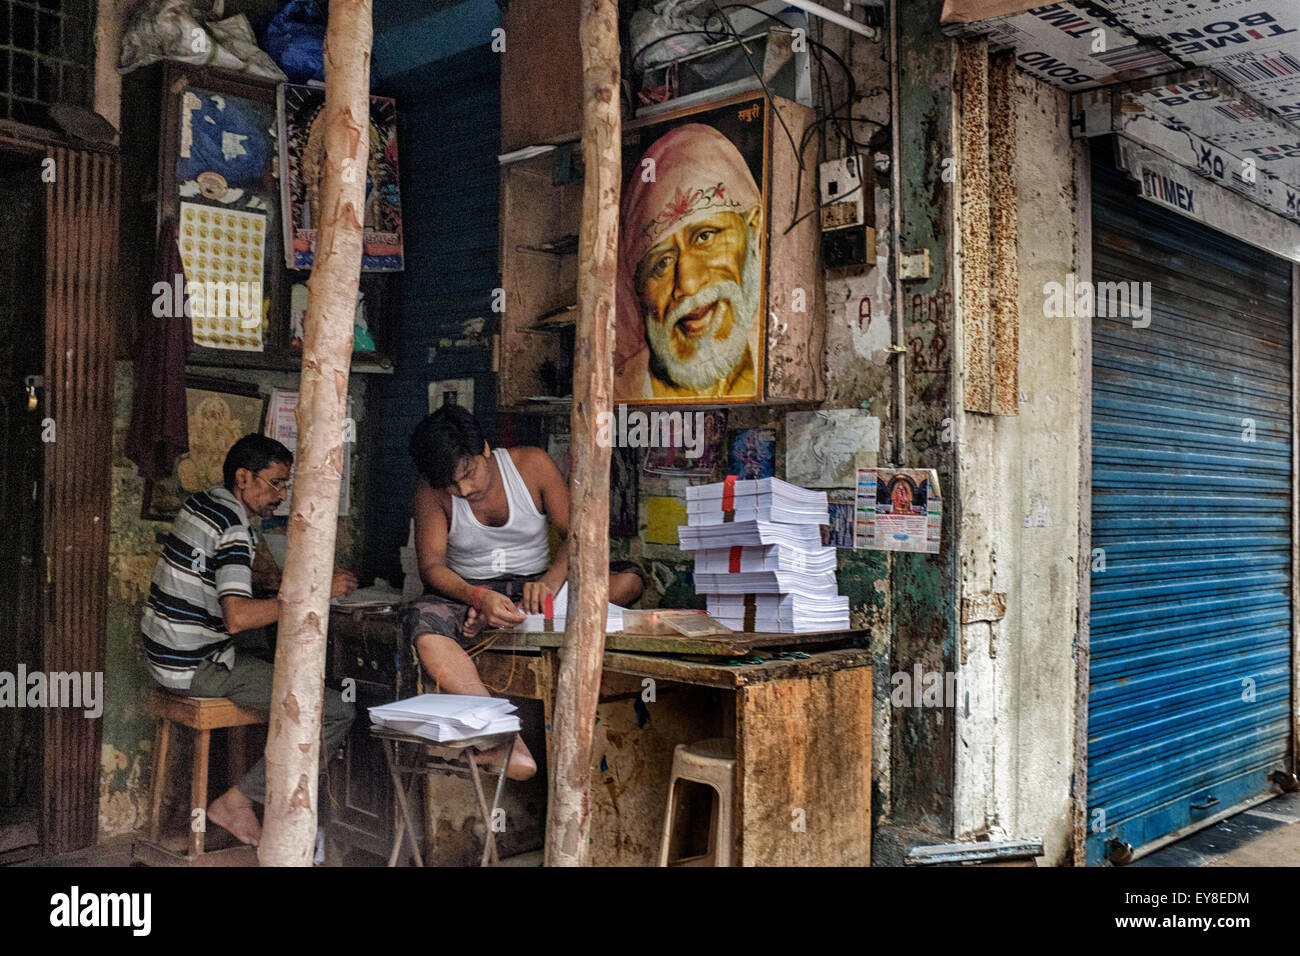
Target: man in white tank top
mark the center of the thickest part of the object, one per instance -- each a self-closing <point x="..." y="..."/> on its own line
<point x="481" y="517"/>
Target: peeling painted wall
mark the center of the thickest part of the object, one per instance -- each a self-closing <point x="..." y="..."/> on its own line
<point x="923" y="587"/>
<point x="133" y="553"/>
<point x="1019" y="526"/>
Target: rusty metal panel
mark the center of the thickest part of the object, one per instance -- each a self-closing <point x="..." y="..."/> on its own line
<point x="81" y="247"/>
<point x="973" y="73"/>
<point x="1189" y="706"/>
<point x="1005" y="223"/>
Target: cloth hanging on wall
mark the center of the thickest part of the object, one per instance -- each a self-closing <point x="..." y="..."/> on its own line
<point x="159" y="432"/>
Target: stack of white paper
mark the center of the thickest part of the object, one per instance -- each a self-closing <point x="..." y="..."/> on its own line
<point x="759" y="558"/>
<point x="444" y="718"/>
<point x="747" y="533"/>
<point x="768" y="582"/>
<point x="780" y="613"/>
<point x="772" y="557"/>
<point x="764" y="499"/>
<point x="534" y="623"/>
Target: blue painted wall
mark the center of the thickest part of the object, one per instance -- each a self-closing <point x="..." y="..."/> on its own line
<point x="410" y="34"/>
<point x="448" y="138"/>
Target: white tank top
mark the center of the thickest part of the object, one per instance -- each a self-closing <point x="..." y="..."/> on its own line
<point x="476" y="551"/>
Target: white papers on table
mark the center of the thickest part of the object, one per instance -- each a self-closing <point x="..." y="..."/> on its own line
<point x="748" y="533"/>
<point x="780" y="613"/>
<point x="447" y="717"/>
<point x="770" y="557"/>
<point x="763" y="499"/>
<point x="535" y="623"/>
<point x="768" y="582"/>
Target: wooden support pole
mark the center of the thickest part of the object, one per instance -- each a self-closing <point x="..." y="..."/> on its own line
<point x="578" y="684"/>
<point x="293" y="741"/>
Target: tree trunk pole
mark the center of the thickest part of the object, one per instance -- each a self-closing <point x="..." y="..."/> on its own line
<point x="578" y="686"/>
<point x="293" y="743"/>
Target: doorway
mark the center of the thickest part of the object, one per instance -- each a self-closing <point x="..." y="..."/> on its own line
<point x="22" y="360"/>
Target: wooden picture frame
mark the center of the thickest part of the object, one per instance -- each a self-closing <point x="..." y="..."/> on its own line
<point x="219" y="414"/>
<point x="243" y="182"/>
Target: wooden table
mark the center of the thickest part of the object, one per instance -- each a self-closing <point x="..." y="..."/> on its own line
<point x="801" y="728"/>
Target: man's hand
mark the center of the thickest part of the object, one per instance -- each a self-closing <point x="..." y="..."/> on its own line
<point x="535" y="594"/>
<point x="497" y="610"/>
<point x="345" y="582"/>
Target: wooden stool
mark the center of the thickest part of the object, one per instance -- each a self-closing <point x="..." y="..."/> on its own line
<point x="203" y="715"/>
<point x="711" y="762"/>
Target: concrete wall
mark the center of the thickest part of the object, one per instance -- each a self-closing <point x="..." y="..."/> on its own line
<point x="1019" y="479"/>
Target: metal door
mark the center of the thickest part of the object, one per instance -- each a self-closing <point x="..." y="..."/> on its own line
<point x="1190" y="676"/>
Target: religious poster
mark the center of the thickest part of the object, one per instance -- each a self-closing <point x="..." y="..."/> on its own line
<point x="623" y="487"/>
<point x="688" y="452"/>
<point x="692" y="257"/>
<point x="898" y="509"/>
<point x="219" y="414"/>
<point x="302" y="155"/>
<point x="753" y="453"/>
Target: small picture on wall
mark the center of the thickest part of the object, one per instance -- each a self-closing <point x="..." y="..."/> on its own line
<point x="623" y="487"/>
<point x="219" y="414"/>
<point x="753" y="453"/>
<point x="691" y="450"/>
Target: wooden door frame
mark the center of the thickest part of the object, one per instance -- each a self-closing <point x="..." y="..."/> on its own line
<point x="82" y="218"/>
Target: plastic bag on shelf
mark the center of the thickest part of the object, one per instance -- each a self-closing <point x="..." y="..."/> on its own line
<point x="175" y="30"/>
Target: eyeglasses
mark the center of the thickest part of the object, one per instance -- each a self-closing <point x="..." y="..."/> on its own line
<point x="279" y="484"/>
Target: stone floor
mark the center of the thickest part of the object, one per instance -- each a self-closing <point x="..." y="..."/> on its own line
<point x="1264" y="835"/>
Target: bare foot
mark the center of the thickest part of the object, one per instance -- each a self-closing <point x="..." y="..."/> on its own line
<point x="234" y="812"/>
<point x="522" y="765"/>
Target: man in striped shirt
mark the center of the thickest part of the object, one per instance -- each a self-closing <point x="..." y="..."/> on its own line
<point x="202" y="593"/>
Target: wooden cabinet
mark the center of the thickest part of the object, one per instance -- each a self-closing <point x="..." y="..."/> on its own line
<point x="541" y="73"/>
<point x="540" y="276"/>
<point x="359" y="808"/>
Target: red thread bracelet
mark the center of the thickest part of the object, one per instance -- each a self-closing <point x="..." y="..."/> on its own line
<point x="477" y="591"/>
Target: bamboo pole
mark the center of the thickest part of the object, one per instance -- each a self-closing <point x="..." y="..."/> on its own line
<point x="293" y="742"/>
<point x="578" y="685"/>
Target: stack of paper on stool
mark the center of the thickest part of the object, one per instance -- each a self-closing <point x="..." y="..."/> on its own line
<point x="759" y="558"/>
<point x="447" y="717"/>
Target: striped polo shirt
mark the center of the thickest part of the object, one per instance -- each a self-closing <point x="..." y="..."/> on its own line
<point x="207" y="556"/>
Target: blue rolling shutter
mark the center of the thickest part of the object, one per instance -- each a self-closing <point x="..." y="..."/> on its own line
<point x="1191" y="617"/>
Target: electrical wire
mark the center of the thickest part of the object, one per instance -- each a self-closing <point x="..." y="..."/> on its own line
<point x="831" y="113"/>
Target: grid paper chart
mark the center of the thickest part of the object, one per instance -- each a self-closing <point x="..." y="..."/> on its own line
<point x="222" y="251"/>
